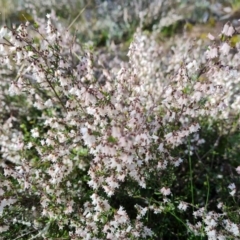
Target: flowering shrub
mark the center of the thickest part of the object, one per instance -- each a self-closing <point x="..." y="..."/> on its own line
<point x="85" y="157"/>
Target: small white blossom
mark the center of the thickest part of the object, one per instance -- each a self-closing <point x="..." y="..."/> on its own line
<point x="48" y="103"/>
<point x="238" y="169"/>
<point x="231" y="227"/>
<point x="232" y="187"/>
<point x="212" y="52"/>
<point x="182" y="206"/>
<point x="35" y="133"/>
<point x="210" y="36"/>
<point x="165" y="191"/>
<point x="220" y="205"/>
<point x="225" y="48"/>
<point x="228" y="30"/>
<point x="14" y="89"/>
<point x="3" y="32"/>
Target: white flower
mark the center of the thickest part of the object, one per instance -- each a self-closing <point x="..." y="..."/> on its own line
<point x="121" y="216"/>
<point x="225" y="48"/>
<point x="1" y="192"/>
<point x="231" y="227"/>
<point x="14" y="90"/>
<point x="35" y="133"/>
<point x="228" y="30"/>
<point x="220" y="205"/>
<point x="194" y="127"/>
<point x="161" y="147"/>
<point x="3" y="32"/>
<point x="210" y="36"/>
<point x="212" y="53"/>
<point x="211" y="234"/>
<point x="178" y="162"/>
<point x="48" y="103"/>
<point x="221" y="237"/>
<point x="165" y="191"/>
<point x="4" y="228"/>
<point x="63" y="81"/>
<point x="238" y="169"/>
<point x="232" y="187"/>
<point x="182" y="206"/>
<point x="234" y="229"/>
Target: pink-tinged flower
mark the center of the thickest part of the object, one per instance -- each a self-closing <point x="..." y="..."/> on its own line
<point x="165" y="191"/>
<point x="210" y="36"/>
<point x="225" y="48"/>
<point x="121" y="216"/>
<point x="4" y="228"/>
<point x="228" y="30"/>
<point x="212" y="53"/>
<point x="238" y="169"/>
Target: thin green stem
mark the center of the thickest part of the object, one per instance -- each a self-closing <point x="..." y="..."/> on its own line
<point x="208" y="191"/>
<point x="191" y="172"/>
<point x="181" y="221"/>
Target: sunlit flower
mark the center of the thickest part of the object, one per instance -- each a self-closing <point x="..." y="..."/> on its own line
<point x="228" y="30"/>
<point x="225" y="48"/>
